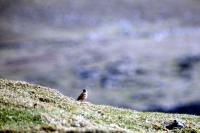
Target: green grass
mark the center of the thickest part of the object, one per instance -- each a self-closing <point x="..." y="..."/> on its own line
<point x="35" y="108"/>
<point x="18" y="118"/>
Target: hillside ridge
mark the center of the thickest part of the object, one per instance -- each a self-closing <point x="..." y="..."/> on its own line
<point x="30" y="107"/>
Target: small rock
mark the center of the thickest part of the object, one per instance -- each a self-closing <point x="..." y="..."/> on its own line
<point x="35" y="105"/>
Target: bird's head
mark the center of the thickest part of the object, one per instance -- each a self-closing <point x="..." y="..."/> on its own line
<point x="84" y="90"/>
<point x="175" y="121"/>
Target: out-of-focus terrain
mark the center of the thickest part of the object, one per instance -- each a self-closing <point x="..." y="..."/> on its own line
<point x="136" y="54"/>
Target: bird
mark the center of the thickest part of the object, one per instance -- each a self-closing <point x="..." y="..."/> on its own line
<point x="175" y="124"/>
<point x="82" y="96"/>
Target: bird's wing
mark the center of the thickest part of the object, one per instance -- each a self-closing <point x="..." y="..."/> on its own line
<point x="80" y="97"/>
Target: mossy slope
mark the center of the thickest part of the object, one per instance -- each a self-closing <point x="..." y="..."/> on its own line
<point x="28" y="107"/>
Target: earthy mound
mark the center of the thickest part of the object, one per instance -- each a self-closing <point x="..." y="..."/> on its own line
<point x="28" y="107"/>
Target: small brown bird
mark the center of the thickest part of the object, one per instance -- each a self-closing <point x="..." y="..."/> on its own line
<point x="175" y="124"/>
<point x="82" y="96"/>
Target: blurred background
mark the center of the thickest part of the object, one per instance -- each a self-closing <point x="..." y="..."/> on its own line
<point x="137" y="54"/>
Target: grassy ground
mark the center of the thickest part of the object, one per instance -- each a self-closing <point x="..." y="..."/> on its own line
<point x="28" y="107"/>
